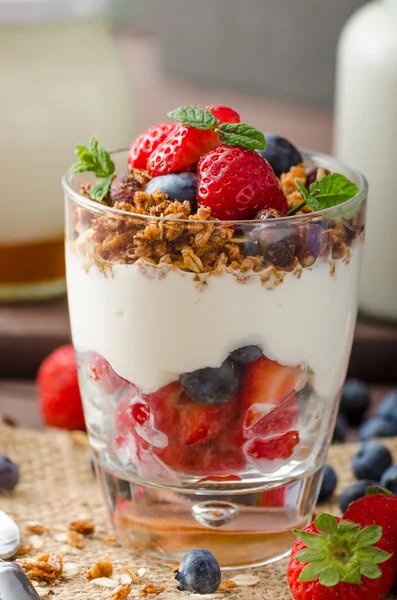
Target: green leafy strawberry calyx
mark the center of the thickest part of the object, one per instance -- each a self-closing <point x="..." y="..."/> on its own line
<point x="96" y="159"/>
<point x="340" y="552"/>
<point x="231" y="134"/>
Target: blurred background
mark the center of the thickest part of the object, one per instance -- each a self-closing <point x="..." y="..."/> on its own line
<point x="323" y="74"/>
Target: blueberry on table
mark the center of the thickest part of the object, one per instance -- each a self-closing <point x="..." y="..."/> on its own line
<point x="213" y="386"/>
<point x="389" y="479"/>
<point x="198" y="572"/>
<point x="328" y="483"/>
<point x="341" y="429"/>
<point x="9" y="473"/>
<point x="280" y="153"/>
<point x="354" y="401"/>
<point x="246" y="354"/>
<point x="178" y="186"/>
<point x="371" y="461"/>
<point x="387" y="408"/>
<point x="353" y="492"/>
<point x="377" y="427"/>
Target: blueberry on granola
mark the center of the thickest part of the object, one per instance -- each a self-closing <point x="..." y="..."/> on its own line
<point x="280" y="153"/>
<point x="177" y="186"/>
<point x="212" y="386"/>
<point x="199" y="572"/>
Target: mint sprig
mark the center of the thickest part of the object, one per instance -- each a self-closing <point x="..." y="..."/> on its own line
<point x="96" y="159"/>
<point x="231" y="134"/>
<point x="326" y="192"/>
<point x="340" y="552"/>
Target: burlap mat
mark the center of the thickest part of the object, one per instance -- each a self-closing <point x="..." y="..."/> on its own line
<point x="57" y="486"/>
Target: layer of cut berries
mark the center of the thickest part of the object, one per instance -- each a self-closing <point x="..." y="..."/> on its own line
<point x="103" y="374"/>
<point x="260" y="426"/>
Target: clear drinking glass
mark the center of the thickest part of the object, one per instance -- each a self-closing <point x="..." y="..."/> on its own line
<point x="157" y="318"/>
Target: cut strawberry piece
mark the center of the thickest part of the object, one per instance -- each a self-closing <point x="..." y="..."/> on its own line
<point x="225" y="478"/>
<point x="103" y="374"/>
<point x="274" y="497"/>
<point x="225" y="114"/>
<point x="222" y="456"/>
<point x="271" y="454"/>
<point x="198" y="423"/>
<point x="268" y="398"/>
<point x="182" y="148"/>
<point x="144" y="145"/>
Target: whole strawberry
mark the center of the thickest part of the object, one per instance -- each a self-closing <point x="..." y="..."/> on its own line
<point x="376" y="509"/>
<point x="58" y="390"/>
<point x="236" y="183"/>
<point x="144" y="144"/>
<point x="336" y="559"/>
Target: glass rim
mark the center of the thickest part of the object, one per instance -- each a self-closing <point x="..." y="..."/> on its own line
<point x="328" y="213"/>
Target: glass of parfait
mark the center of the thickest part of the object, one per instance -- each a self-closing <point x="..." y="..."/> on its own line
<point x="211" y="355"/>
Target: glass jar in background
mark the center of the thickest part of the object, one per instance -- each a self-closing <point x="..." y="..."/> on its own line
<point x="61" y="81"/>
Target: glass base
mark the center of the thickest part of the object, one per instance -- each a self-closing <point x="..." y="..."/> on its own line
<point x="241" y="527"/>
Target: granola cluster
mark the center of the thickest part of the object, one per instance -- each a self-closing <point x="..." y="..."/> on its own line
<point x="45" y="568"/>
<point x="199" y="244"/>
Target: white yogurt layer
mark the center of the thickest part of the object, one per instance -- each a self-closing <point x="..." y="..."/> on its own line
<point x="153" y="326"/>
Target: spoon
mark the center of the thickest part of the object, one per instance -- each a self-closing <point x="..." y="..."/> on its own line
<point x="10" y="538"/>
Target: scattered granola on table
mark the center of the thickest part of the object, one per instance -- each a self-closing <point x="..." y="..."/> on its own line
<point x="103" y="568"/>
<point x="82" y="527"/>
<point x="45" y="567"/>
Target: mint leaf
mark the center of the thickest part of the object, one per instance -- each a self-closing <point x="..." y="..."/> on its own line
<point x="368" y="536"/>
<point x="240" y="134"/>
<point x="106" y="162"/>
<point x="301" y="188"/>
<point x="101" y="188"/>
<point x="195" y="117"/>
<point x="95" y="159"/>
<point x="332" y="190"/>
<point x="312" y="571"/>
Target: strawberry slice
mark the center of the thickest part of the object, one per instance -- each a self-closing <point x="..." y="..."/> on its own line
<point x="186" y="145"/>
<point x="144" y="145"/>
<point x="197" y="423"/>
<point x="270" y="454"/>
<point x="268" y="399"/>
<point x="103" y="374"/>
<point x="182" y="148"/>
<point x="274" y="498"/>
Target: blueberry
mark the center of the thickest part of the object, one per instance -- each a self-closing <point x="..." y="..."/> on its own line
<point x="179" y="186"/>
<point x="353" y="492"/>
<point x="198" y="572"/>
<point x="354" y="401"/>
<point x="341" y="428"/>
<point x="246" y="354"/>
<point x="371" y="460"/>
<point x="388" y="407"/>
<point x="280" y="153"/>
<point x="389" y="479"/>
<point x="377" y="427"/>
<point x="213" y="386"/>
<point x="9" y="473"/>
<point x="328" y="483"/>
